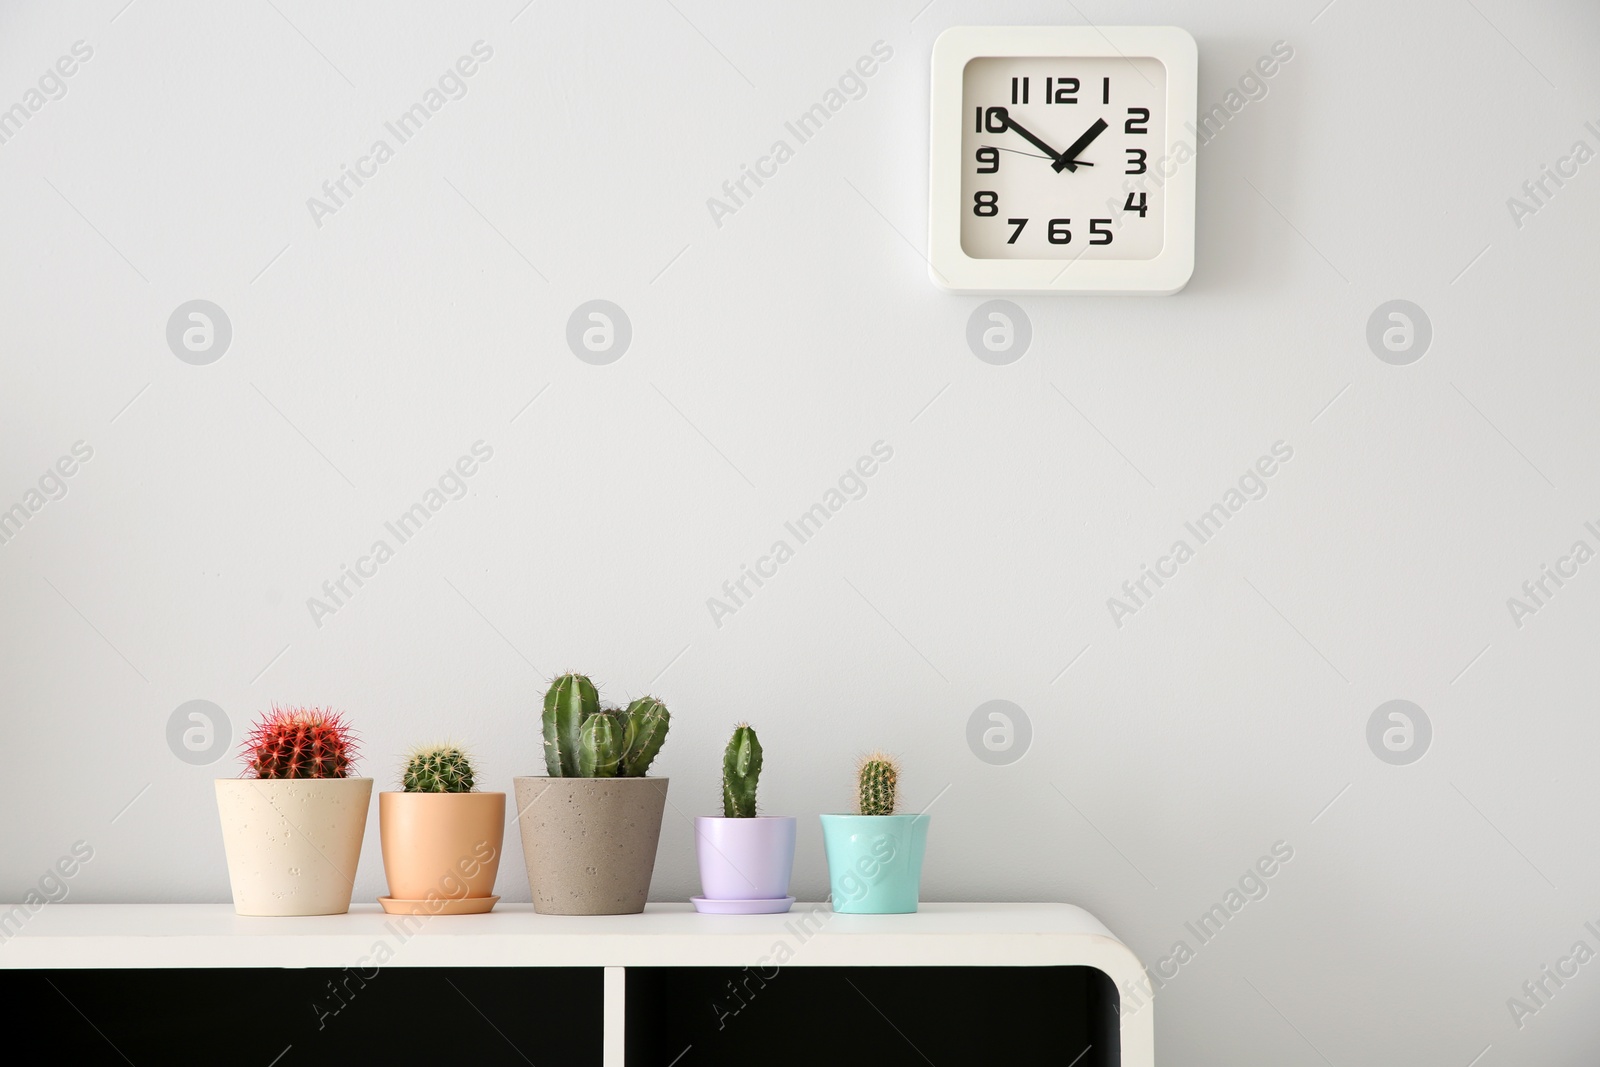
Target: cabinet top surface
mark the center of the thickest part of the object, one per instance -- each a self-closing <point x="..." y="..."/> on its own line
<point x="520" y="920"/>
<point x="206" y="935"/>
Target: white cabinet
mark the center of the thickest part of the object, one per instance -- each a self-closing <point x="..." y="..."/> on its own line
<point x="957" y="976"/>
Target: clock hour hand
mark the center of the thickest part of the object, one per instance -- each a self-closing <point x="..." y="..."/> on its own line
<point x="1068" y="160"/>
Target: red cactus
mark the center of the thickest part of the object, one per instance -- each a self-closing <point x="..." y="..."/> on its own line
<point x="299" y="743"/>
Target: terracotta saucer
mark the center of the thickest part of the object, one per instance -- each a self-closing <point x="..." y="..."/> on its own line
<point x="440" y="906"/>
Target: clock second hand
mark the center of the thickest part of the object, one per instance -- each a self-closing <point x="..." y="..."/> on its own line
<point x="1033" y="155"/>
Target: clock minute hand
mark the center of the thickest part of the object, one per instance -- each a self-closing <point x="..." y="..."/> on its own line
<point x="1013" y="124"/>
<point x="1069" y="159"/>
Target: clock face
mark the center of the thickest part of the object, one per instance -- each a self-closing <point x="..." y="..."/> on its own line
<point x="1057" y="155"/>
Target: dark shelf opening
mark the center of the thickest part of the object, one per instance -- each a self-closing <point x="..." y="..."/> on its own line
<point x="845" y="1016"/>
<point x="484" y="1016"/>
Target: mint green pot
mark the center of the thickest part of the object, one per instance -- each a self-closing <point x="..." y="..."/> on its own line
<point x="875" y="862"/>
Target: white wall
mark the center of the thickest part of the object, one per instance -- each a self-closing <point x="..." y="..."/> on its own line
<point x="768" y="353"/>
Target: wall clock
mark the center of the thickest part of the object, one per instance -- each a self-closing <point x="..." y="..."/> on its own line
<point x="1060" y="161"/>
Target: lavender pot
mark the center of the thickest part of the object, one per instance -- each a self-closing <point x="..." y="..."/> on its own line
<point x="745" y="859"/>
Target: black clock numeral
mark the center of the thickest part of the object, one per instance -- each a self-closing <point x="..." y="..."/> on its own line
<point x="1019" y="224"/>
<point x="1064" y="92"/>
<point x="1024" y="99"/>
<point x="1105" y="90"/>
<point x="1058" y="234"/>
<point x="985" y="204"/>
<point x="991" y="157"/>
<point x="1135" y="161"/>
<point x="1137" y="125"/>
<point x="1140" y="205"/>
<point x="996" y="120"/>
<point x="1097" y="231"/>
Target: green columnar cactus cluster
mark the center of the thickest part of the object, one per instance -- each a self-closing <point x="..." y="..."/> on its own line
<point x="584" y="740"/>
<point x="741" y="769"/>
<point x="438" y="769"/>
<point x="878" y="775"/>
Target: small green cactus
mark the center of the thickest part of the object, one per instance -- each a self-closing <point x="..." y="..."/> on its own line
<point x="584" y="740"/>
<point x="741" y="769"/>
<point x="438" y="769"/>
<point x="648" y="721"/>
<point x="570" y="700"/>
<point x="878" y="775"/>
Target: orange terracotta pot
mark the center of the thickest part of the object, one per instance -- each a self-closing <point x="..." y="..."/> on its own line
<point x="444" y="844"/>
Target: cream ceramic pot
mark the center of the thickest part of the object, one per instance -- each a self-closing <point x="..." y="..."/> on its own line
<point x="293" y="844"/>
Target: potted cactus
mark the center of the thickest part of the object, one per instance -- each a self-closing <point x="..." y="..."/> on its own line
<point x="875" y="856"/>
<point x="745" y="859"/>
<point x="292" y="825"/>
<point x="441" y="840"/>
<point x="590" y="825"/>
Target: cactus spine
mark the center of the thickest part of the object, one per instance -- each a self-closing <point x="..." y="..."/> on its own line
<point x="438" y="769"/>
<point x="648" y="720"/>
<point x="878" y="775"/>
<point x="584" y="740"/>
<point x="741" y="769"/>
<point x="570" y="700"/>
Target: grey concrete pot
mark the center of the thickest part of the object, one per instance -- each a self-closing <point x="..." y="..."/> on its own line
<point x="590" y="843"/>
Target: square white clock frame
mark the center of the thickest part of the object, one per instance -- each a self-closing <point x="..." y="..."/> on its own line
<point x="1057" y="161"/>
